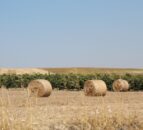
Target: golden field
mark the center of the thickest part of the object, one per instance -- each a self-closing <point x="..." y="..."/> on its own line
<point x="94" y="70"/>
<point x="70" y="70"/>
<point x="70" y="110"/>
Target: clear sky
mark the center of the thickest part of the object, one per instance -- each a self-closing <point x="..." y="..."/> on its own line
<point x="71" y="33"/>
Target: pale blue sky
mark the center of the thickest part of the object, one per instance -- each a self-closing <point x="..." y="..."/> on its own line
<point x="71" y="33"/>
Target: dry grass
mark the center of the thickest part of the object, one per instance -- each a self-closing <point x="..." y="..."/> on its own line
<point x="68" y="110"/>
<point x="22" y="71"/>
<point x="94" y="70"/>
<point x="69" y="70"/>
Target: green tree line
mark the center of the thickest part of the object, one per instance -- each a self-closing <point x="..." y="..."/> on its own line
<point x="70" y="81"/>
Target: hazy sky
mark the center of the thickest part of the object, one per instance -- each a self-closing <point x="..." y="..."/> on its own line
<point x="71" y="33"/>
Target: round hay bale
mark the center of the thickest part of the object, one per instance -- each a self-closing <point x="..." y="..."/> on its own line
<point x="95" y="88"/>
<point x="40" y="88"/>
<point x="120" y="85"/>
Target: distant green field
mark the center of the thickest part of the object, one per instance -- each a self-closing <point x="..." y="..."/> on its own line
<point x="94" y="70"/>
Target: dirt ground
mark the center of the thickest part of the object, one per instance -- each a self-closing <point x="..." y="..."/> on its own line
<point x="66" y="105"/>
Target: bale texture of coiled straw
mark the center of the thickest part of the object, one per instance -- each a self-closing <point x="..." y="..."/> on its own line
<point x="120" y="85"/>
<point x="95" y="88"/>
<point x="40" y="88"/>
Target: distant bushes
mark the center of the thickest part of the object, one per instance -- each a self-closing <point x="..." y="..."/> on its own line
<point x="70" y="81"/>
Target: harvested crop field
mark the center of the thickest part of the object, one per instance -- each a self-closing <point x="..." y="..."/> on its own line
<point x="70" y="110"/>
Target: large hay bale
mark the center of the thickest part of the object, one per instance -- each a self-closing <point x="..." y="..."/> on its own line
<point x="120" y="85"/>
<point x="95" y="88"/>
<point x="40" y="88"/>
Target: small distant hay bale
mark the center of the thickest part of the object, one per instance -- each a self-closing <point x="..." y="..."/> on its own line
<point x="120" y="85"/>
<point x="39" y="88"/>
<point x="95" y="88"/>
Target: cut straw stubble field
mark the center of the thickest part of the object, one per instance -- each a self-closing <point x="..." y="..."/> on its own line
<point x="70" y="109"/>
